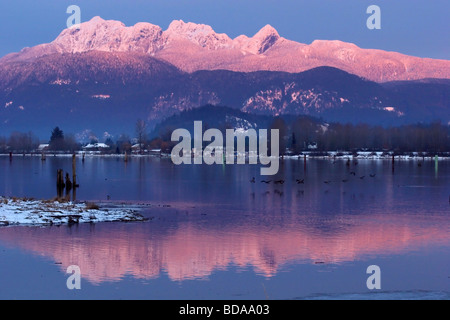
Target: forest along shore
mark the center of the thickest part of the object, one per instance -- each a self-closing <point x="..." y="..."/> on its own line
<point x="288" y="155"/>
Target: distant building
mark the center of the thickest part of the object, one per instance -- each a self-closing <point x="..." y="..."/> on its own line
<point x="96" y="147"/>
<point x="43" y="147"/>
<point x="312" y="146"/>
<point x="155" y="151"/>
<point x="136" y="148"/>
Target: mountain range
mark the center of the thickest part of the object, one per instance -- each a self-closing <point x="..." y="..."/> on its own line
<point x="103" y="76"/>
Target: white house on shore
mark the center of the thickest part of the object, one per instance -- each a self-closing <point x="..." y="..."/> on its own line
<point x="96" y="147"/>
<point x="43" y="147"/>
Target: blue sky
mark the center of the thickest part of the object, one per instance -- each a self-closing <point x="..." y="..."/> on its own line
<point x="415" y="27"/>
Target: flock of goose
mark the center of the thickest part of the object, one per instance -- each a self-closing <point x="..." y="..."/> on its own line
<point x="302" y="181"/>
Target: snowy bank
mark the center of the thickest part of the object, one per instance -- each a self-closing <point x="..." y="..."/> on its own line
<point x="370" y="155"/>
<point x="15" y="211"/>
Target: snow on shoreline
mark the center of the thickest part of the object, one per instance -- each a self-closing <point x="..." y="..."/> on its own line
<point x="370" y="155"/>
<point x="15" y="211"/>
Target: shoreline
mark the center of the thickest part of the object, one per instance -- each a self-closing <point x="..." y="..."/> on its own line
<point x="338" y="155"/>
<point x="32" y="212"/>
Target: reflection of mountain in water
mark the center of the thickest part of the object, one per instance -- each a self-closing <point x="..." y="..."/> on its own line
<point x="108" y="252"/>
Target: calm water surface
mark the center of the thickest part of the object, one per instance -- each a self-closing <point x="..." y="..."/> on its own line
<point x="212" y="234"/>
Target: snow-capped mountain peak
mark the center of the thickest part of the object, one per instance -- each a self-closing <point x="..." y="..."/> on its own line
<point x="200" y="34"/>
<point x="262" y="41"/>
<point x="189" y="29"/>
<point x="191" y="47"/>
<point x="267" y="32"/>
<point x="109" y="35"/>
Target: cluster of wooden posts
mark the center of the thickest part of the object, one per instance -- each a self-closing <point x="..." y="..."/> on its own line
<point x="64" y="183"/>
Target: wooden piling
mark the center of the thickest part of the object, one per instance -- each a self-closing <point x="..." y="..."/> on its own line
<point x="59" y="182"/>
<point x="61" y="179"/>
<point x="74" y="193"/>
<point x="436" y="160"/>
<point x="393" y="163"/>
<point x="74" y="170"/>
<point x="68" y="183"/>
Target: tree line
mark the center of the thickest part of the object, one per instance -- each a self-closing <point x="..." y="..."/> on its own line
<point x="296" y="135"/>
<point x="304" y="133"/>
<point x="19" y="142"/>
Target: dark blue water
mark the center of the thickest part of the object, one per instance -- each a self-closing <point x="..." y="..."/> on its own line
<point x="212" y="234"/>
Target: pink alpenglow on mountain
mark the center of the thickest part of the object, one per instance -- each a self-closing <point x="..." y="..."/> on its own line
<point x="192" y="47"/>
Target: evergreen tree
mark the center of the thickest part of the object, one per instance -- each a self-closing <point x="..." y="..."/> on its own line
<point x="57" y="142"/>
